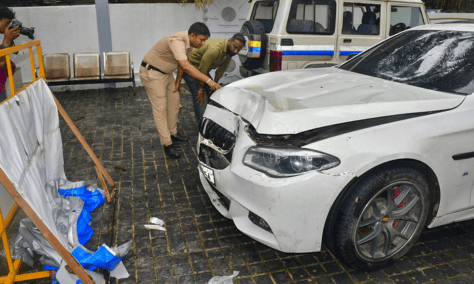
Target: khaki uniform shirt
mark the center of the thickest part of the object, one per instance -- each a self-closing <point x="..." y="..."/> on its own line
<point x="165" y="54"/>
<point x="211" y="56"/>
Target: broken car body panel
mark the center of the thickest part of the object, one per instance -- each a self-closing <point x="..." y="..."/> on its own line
<point x="312" y="98"/>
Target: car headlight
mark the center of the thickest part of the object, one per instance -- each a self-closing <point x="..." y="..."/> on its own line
<point x="286" y="162"/>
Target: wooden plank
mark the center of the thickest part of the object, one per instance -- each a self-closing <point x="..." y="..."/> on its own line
<point x="86" y="147"/>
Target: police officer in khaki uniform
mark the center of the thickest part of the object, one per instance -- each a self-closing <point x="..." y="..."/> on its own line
<point x="156" y="74"/>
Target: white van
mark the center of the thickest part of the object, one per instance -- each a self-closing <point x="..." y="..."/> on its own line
<point x="298" y="34"/>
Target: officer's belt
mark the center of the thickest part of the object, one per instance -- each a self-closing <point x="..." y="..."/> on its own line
<point x="151" y="67"/>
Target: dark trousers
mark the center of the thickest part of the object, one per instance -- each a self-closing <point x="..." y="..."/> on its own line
<point x="3" y="96"/>
<point x="194" y="89"/>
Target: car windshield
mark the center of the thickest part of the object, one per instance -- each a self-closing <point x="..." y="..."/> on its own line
<point x="436" y="60"/>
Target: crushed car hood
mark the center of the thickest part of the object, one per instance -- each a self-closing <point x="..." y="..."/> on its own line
<point x="291" y="102"/>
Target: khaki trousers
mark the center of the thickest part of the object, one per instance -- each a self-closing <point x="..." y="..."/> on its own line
<point x="165" y="104"/>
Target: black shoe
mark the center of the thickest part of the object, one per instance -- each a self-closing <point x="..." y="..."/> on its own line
<point x="179" y="138"/>
<point x="171" y="152"/>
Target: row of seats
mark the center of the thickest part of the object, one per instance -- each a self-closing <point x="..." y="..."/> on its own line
<point x="117" y="67"/>
<point x="370" y="24"/>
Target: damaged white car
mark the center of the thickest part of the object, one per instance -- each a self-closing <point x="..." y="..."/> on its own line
<point x="362" y="156"/>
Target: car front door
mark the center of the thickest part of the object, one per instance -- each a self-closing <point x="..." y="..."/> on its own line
<point x="360" y="27"/>
<point x="403" y="16"/>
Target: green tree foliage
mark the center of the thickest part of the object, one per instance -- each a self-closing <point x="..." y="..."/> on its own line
<point x="450" y="5"/>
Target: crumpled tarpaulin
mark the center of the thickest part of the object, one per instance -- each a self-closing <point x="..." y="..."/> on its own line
<point x="31" y="156"/>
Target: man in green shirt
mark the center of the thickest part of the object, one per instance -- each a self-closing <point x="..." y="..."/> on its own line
<point x="216" y="53"/>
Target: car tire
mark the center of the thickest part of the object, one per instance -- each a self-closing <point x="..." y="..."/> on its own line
<point x="379" y="218"/>
<point x="254" y="27"/>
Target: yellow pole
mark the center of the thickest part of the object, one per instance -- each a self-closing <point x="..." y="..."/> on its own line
<point x="32" y="61"/>
<point x="10" y="75"/>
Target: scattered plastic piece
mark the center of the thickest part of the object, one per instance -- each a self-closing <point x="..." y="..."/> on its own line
<point x="223" y="279"/>
<point x="157" y="224"/>
<point x="154" y="227"/>
<point x="156" y="221"/>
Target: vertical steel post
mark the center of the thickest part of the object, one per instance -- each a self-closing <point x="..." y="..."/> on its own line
<point x="104" y="31"/>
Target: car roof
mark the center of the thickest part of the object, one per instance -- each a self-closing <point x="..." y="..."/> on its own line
<point x="449" y="26"/>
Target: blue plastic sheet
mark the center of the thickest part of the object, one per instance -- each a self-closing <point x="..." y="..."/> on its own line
<point x="102" y="258"/>
<point x="84" y="230"/>
<point x="48" y="267"/>
<point x="92" y="199"/>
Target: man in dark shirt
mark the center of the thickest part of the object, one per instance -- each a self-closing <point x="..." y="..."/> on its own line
<point x="215" y="54"/>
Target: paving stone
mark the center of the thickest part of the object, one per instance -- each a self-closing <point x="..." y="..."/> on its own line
<point x="203" y="278"/>
<point x="324" y="280"/>
<point x="264" y="279"/>
<point x="258" y="268"/>
<point x="146" y="274"/>
<point x="299" y="274"/>
<point x="332" y="267"/>
<point x="292" y="262"/>
<point x="417" y="276"/>
<point x="433" y="273"/>
<point x="247" y="280"/>
<point x="282" y="277"/>
<point x="218" y="263"/>
<point x="201" y="266"/>
<point x="183" y="268"/>
<point x="341" y="278"/>
<point x="359" y="276"/>
<point x="243" y="270"/>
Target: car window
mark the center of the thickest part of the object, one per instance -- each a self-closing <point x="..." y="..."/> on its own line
<point x="436" y="60"/>
<point x="404" y="18"/>
<point x="363" y="19"/>
<point x="265" y="12"/>
<point x="312" y="17"/>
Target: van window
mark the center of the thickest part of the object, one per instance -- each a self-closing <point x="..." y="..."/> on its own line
<point x="265" y="12"/>
<point x="312" y="17"/>
<point x="362" y="19"/>
<point x="405" y="18"/>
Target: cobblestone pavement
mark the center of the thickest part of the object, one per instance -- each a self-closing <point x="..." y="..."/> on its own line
<point x="199" y="243"/>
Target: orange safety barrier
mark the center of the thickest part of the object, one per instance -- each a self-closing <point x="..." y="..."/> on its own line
<point x="14" y="265"/>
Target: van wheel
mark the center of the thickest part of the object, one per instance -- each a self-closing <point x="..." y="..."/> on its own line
<point x="256" y="28"/>
<point x="380" y="217"/>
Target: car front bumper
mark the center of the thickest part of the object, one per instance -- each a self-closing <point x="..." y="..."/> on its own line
<point x="295" y="208"/>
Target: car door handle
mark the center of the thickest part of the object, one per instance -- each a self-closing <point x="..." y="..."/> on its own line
<point x="347" y="40"/>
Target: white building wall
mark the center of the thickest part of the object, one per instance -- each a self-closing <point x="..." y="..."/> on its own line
<point x="134" y="27"/>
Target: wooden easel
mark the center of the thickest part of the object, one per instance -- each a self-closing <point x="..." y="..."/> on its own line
<point x="14" y="265"/>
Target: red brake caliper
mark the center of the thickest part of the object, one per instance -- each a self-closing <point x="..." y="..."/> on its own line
<point x="396" y="193"/>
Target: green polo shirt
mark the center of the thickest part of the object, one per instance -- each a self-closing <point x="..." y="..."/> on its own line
<point x="211" y="56"/>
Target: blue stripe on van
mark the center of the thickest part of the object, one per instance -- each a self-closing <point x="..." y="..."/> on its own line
<point x="254" y="49"/>
<point x="344" y="53"/>
<point x="308" y="52"/>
